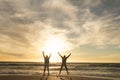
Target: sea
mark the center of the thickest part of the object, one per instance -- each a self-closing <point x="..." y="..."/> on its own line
<point x="104" y="70"/>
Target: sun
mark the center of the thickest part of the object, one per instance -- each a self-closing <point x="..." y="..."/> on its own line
<point x="54" y="45"/>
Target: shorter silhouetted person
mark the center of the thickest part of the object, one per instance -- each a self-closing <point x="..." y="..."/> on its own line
<point x="64" y="59"/>
<point x="46" y="62"/>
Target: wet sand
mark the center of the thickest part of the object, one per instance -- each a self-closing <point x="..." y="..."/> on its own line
<point x="22" y="77"/>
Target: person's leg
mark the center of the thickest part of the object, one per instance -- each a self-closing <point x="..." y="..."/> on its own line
<point x="44" y="69"/>
<point x="66" y="69"/>
<point x="61" y="69"/>
<point x="48" y="69"/>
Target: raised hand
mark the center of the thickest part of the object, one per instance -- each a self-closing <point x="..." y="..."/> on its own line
<point x="68" y="55"/>
<point x="43" y="53"/>
<point x="59" y="54"/>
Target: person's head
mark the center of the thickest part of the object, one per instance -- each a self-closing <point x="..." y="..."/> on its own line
<point x="64" y="56"/>
<point x="46" y="55"/>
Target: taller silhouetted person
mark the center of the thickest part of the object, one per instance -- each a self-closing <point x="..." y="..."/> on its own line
<point x="64" y="59"/>
<point x="46" y="62"/>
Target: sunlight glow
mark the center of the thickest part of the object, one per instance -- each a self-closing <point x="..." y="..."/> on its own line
<point x="53" y="46"/>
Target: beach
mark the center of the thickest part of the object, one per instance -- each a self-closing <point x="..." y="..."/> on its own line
<point x="77" y="71"/>
<point x="51" y="77"/>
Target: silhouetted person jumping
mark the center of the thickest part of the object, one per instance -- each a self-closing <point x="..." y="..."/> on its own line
<point x="46" y="62"/>
<point x="64" y="59"/>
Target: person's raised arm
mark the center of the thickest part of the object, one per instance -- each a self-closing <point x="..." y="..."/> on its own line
<point x="59" y="54"/>
<point x="43" y="54"/>
<point x="50" y="55"/>
<point x="68" y="55"/>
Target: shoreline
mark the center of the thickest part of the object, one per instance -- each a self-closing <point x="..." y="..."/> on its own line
<point x="63" y="75"/>
<point x="51" y="77"/>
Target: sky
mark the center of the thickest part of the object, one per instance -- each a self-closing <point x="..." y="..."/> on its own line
<point x="88" y="29"/>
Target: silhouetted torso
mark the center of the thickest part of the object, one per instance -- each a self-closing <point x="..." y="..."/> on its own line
<point x="46" y="60"/>
<point x="64" y="60"/>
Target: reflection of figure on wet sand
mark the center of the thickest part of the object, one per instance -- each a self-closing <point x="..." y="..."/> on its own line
<point x="55" y="78"/>
<point x="44" y="78"/>
<point x="46" y="62"/>
<point x="65" y="77"/>
<point x="64" y="59"/>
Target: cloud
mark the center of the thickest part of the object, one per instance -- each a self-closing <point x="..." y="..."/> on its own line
<point x="11" y="54"/>
<point x="95" y="29"/>
<point x="60" y="5"/>
<point x="27" y="23"/>
<point x="107" y="7"/>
